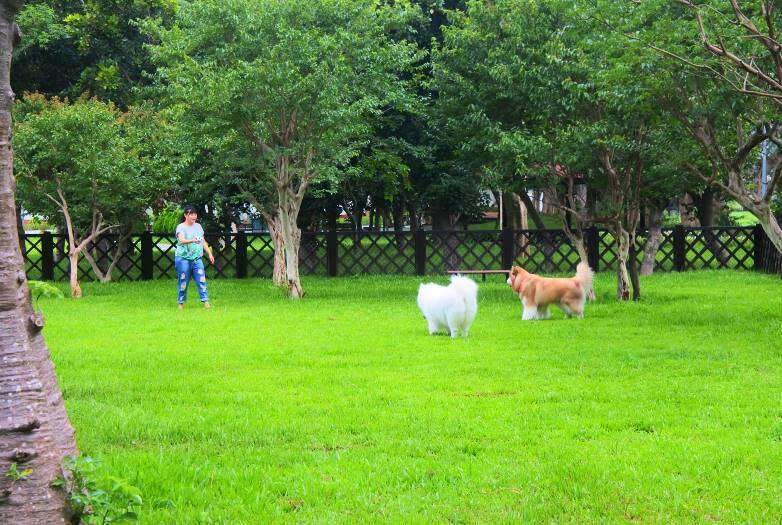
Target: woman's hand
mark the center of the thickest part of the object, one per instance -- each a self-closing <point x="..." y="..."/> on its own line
<point x="211" y="258"/>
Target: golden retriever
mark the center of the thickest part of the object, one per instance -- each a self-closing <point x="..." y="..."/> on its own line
<point x="538" y="293"/>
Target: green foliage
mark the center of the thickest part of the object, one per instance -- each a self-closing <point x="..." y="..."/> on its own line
<point x="95" y="498"/>
<point x="73" y="47"/>
<point x="15" y="475"/>
<point x="300" y="83"/>
<point x="167" y="219"/>
<point x="739" y="216"/>
<point x="102" y="162"/>
<point x="671" y="219"/>
<point x="40" y="289"/>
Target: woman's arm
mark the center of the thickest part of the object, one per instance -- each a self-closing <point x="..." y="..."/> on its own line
<point x="181" y="238"/>
<point x="209" y="251"/>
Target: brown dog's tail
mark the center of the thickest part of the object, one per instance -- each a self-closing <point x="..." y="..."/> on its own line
<point x="585" y="276"/>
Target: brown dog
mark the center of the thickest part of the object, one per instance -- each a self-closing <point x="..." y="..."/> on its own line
<point x="537" y="293"/>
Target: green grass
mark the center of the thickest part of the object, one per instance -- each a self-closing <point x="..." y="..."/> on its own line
<point x="340" y="408"/>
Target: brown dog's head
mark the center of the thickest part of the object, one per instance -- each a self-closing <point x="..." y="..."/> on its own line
<point x="516" y="277"/>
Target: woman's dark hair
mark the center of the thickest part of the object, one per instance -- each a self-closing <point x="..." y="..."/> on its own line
<point x="188" y="209"/>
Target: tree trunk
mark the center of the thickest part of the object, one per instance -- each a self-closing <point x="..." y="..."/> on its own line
<point x="513" y="218"/>
<point x="622" y="239"/>
<point x="445" y="223"/>
<point x="532" y="210"/>
<point x="73" y="258"/>
<point x="704" y="210"/>
<point x="522" y="211"/>
<point x="34" y="430"/>
<point x="291" y="241"/>
<point x="770" y="225"/>
<point x="652" y="243"/>
<point x="633" y="270"/>
<point x="104" y="272"/>
<point x="398" y="216"/>
<point x="275" y="232"/>
<point x="523" y="240"/>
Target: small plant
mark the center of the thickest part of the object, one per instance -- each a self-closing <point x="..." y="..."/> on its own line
<point x="94" y="499"/>
<point x="739" y="216"/>
<point x="671" y="219"/>
<point x="40" y="289"/>
<point x="15" y="474"/>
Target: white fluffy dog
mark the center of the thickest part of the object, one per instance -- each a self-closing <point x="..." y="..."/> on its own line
<point x="451" y="307"/>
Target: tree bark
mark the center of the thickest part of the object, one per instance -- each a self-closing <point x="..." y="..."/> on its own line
<point x="275" y="231"/>
<point x="704" y="210"/>
<point x="534" y="214"/>
<point x="34" y="429"/>
<point x="512" y="211"/>
<point x="652" y="244"/>
<point x="289" y="204"/>
<point x="291" y="238"/>
<point x="770" y="225"/>
<point x="622" y="257"/>
<point x="73" y="259"/>
<point x="445" y="222"/>
<point x="633" y="270"/>
<point x="105" y="272"/>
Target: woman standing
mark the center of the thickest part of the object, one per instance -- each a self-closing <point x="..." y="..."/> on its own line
<point x="187" y="258"/>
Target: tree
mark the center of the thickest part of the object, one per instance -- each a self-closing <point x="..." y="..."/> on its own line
<point x="89" y="47"/>
<point x="298" y="82"/>
<point x="34" y="429"/>
<point x="82" y="162"/>
<point x="723" y="69"/>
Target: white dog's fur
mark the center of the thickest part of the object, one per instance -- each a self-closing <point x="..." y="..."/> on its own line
<point x="451" y="307"/>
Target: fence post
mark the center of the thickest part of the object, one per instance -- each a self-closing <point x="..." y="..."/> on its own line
<point x="47" y="256"/>
<point x="419" y="244"/>
<point x="759" y="240"/>
<point x="593" y="248"/>
<point x="241" y="254"/>
<point x="147" y="269"/>
<point x="331" y="252"/>
<point x="679" y="248"/>
<point x="508" y="253"/>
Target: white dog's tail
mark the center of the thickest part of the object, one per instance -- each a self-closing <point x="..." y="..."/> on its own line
<point x="465" y="287"/>
<point x="585" y="276"/>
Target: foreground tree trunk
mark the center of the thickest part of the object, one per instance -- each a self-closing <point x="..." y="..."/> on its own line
<point x="34" y="430"/>
<point x="652" y="244"/>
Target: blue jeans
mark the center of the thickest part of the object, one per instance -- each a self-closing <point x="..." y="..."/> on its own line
<point x="185" y="268"/>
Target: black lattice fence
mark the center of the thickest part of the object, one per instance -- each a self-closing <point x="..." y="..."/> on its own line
<point x="545" y="251"/>
<point x="259" y="258"/>
<point x="313" y="254"/>
<point x="361" y="253"/>
<point x="455" y="250"/>
<point x="720" y="248"/>
<point x="151" y="255"/>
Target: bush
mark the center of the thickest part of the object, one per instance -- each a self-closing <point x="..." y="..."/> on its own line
<point x="739" y="216"/>
<point x="167" y="219"/>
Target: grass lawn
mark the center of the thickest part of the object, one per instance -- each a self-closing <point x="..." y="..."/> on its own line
<point x="340" y="408"/>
